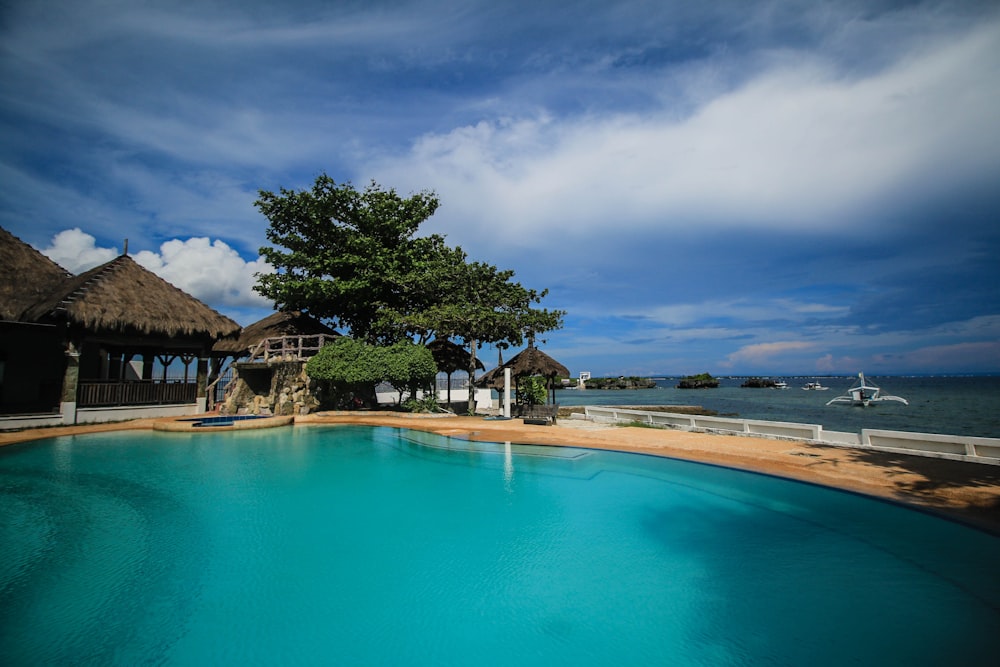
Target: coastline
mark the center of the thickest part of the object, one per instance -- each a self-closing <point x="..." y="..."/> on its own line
<point x="965" y="492"/>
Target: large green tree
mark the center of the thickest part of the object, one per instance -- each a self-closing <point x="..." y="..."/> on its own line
<point x="349" y="256"/>
<point x="355" y="258"/>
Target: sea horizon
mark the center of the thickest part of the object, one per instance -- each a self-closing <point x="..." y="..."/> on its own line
<point x="947" y="404"/>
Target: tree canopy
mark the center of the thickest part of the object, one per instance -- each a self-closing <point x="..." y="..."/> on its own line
<point x="348" y="256"/>
<point x="355" y="258"/>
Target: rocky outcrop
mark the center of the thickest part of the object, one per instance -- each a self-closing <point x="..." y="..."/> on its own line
<point x="759" y="383"/>
<point x="620" y="383"/>
<point x="702" y="381"/>
<point x="272" y="388"/>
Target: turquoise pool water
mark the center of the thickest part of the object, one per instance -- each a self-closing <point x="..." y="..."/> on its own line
<point x="368" y="546"/>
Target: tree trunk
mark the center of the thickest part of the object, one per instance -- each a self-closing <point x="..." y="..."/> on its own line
<point x="472" y="376"/>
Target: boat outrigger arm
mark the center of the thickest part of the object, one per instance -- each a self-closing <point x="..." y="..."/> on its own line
<point x="864" y="394"/>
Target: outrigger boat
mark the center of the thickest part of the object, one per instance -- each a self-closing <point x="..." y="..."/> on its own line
<point x="814" y="386"/>
<point x="864" y="394"/>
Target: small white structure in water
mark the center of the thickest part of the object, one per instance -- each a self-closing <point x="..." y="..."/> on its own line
<point x="864" y="394"/>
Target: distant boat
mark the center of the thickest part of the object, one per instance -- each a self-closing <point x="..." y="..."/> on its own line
<point x="863" y="394"/>
<point x="781" y="384"/>
<point x="814" y="386"/>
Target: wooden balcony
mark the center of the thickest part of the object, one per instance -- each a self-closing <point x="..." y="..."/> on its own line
<point x="108" y="393"/>
<point x="289" y="348"/>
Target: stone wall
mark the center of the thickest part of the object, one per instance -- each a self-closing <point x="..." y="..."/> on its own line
<point x="271" y="388"/>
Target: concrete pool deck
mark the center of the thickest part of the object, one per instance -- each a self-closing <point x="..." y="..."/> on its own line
<point x="963" y="491"/>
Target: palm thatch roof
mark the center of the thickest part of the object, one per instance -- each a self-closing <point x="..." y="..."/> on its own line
<point x="451" y="357"/>
<point x="532" y="361"/>
<point x="492" y="379"/>
<point x="26" y="276"/>
<point x="281" y="323"/>
<point x="123" y="297"/>
<point x="529" y="361"/>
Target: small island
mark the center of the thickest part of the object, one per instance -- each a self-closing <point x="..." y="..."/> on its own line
<point x="759" y="383"/>
<point x="621" y="382"/>
<point x="700" y="381"/>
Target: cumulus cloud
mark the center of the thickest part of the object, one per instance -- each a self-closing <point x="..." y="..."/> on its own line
<point x="211" y="271"/>
<point x="76" y="251"/>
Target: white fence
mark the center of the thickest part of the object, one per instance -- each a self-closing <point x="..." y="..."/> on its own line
<point x="956" y="447"/>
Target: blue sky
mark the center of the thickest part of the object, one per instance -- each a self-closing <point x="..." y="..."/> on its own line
<point x="784" y="187"/>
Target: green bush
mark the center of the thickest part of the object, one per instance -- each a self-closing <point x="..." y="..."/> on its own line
<point x="351" y="365"/>
<point x="426" y="404"/>
<point x="531" y="391"/>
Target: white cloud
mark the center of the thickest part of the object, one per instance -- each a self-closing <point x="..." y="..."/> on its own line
<point x="76" y="251"/>
<point x="211" y="271"/>
<point x="799" y="146"/>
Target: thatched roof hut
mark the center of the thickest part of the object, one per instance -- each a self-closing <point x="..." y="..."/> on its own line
<point x="26" y="276"/>
<point x="281" y="323"/>
<point x="451" y="357"/>
<point x="532" y="361"/>
<point x="529" y="362"/>
<point x="123" y="297"/>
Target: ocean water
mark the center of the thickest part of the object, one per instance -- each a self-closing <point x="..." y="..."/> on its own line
<point x="375" y="546"/>
<point x="951" y="405"/>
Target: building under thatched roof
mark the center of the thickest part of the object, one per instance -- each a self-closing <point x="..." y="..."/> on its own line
<point x="279" y="324"/>
<point x="450" y="357"/>
<point x="532" y="361"/>
<point x="123" y="297"/>
<point x="26" y="276"/>
<point x="528" y="362"/>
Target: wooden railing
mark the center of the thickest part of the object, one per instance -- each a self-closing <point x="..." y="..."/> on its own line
<point x="289" y="348"/>
<point x="106" y="393"/>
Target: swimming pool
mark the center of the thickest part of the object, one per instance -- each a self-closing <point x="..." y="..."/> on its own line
<point x="358" y="545"/>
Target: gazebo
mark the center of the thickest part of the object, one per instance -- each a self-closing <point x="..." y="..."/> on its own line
<point x="451" y="357"/>
<point x="89" y="343"/>
<point x="529" y="362"/>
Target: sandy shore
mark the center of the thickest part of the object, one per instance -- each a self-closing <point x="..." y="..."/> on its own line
<point x="968" y="492"/>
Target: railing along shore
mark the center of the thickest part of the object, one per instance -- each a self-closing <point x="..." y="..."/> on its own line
<point x="955" y="447"/>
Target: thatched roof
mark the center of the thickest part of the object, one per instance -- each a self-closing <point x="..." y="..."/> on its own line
<point x="451" y="357"/>
<point x="492" y="379"/>
<point x="123" y="297"/>
<point x="26" y="276"/>
<point x="281" y="323"/>
<point x="530" y="361"/>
